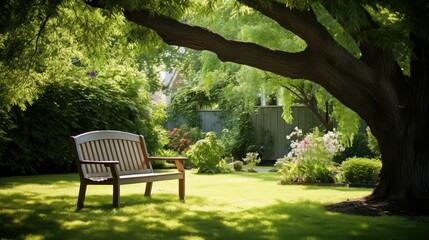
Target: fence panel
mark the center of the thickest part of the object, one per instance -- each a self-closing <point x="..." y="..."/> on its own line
<point x="270" y="128"/>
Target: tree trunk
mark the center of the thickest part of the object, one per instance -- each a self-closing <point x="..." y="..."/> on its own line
<point x="405" y="171"/>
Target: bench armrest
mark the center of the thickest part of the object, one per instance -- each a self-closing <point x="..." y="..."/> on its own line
<point x="177" y="160"/>
<point x="167" y="158"/>
<point x="98" y="162"/>
<point x="109" y="164"/>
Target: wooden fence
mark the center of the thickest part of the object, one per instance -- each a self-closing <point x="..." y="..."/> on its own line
<point x="270" y="128"/>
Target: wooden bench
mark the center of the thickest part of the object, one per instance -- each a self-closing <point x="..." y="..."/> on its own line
<point x="116" y="158"/>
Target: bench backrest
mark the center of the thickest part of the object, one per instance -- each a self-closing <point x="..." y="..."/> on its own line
<point x="127" y="148"/>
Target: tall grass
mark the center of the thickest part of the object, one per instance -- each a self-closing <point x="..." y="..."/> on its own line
<point x="229" y="206"/>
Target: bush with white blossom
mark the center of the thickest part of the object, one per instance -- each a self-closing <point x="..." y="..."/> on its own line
<point x="251" y="161"/>
<point x="310" y="158"/>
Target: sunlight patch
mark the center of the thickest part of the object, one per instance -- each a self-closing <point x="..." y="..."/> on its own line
<point x="332" y="213"/>
<point x="188" y="229"/>
<point x="171" y="208"/>
<point x="120" y="228"/>
<point x="34" y="237"/>
<point x="266" y="223"/>
<point x="75" y="224"/>
<point x="121" y="219"/>
<point x="234" y="225"/>
<point x="192" y="238"/>
<point x="364" y="225"/>
<point x="20" y="217"/>
<point x="155" y="223"/>
<point x="311" y="238"/>
<point x="190" y="214"/>
<point x="171" y="224"/>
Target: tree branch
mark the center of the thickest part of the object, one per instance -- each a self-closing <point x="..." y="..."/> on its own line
<point x="301" y="22"/>
<point x="381" y="60"/>
<point x="176" y="33"/>
<point x="310" y="101"/>
<point x="304" y="23"/>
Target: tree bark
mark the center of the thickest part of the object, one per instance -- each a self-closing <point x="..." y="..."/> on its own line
<point x="405" y="172"/>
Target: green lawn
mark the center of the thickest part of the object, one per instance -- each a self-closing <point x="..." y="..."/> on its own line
<point x="230" y="206"/>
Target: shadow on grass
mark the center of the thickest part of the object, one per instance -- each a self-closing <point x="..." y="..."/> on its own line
<point x="48" y="179"/>
<point x="165" y="217"/>
<point x="274" y="177"/>
<point x="336" y="188"/>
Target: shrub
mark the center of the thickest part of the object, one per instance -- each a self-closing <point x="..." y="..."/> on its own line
<point x="40" y="141"/>
<point x="185" y="102"/>
<point x="206" y="154"/>
<point x="194" y="133"/>
<point x="359" y="148"/>
<point x="178" y="140"/>
<point x="251" y="161"/>
<point x="239" y="137"/>
<point x="310" y="159"/>
<point x="161" y="164"/>
<point x="238" y="165"/>
<point x="361" y="170"/>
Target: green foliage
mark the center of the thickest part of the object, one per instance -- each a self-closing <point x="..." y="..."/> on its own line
<point x="178" y="140"/>
<point x="373" y="144"/>
<point x="237" y="165"/>
<point x="38" y="44"/>
<point x="251" y="161"/>
<point x="307" y="172"/>
<point x="186" y="102"/>
<point x="347" y="120"/>
<point x="6" y="124"/>
<point x="161" y="164"/>
<point x="239" y="136"/>
<point x="310" y="160"/>
<point x="194" y="133"/>
<point x="207" y="155"/>
<point x="359" y="148"/>
<point x="361" y="170"/>
<point x="40" y="142"/>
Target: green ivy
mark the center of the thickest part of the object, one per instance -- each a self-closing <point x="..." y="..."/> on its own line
<point x="185" y="103"/>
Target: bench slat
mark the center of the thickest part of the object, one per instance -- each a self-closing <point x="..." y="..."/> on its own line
<point x="149" y="177"/>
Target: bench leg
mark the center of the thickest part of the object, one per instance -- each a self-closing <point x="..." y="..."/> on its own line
<point x="116" y="195"/>
<point x="148" y="189"/>
<point x="81" y="197"/>
<point x="182" y="189"/>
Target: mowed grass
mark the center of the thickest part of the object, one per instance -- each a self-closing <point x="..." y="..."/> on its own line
<point x="229" y="206"/>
